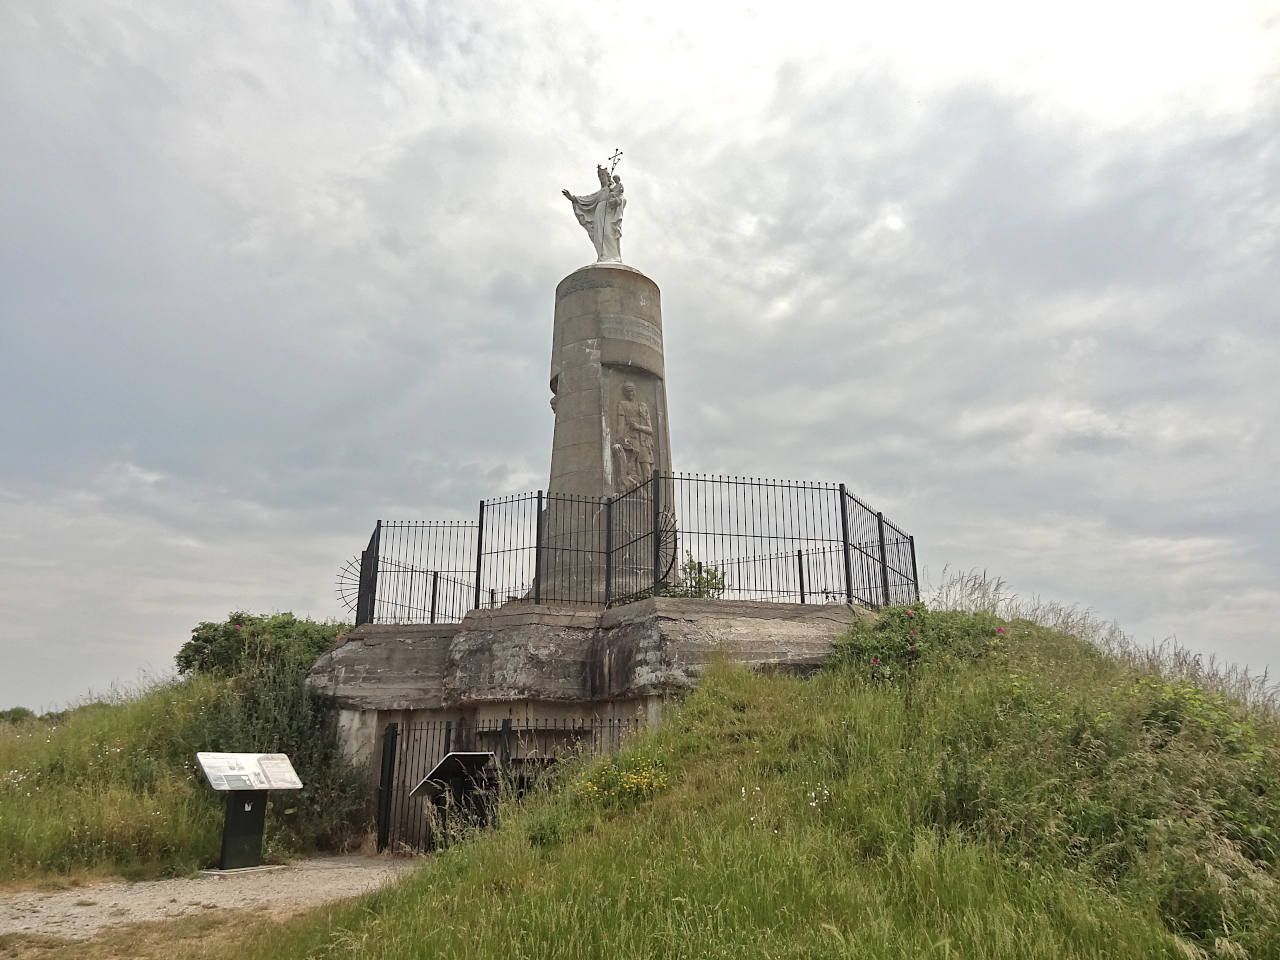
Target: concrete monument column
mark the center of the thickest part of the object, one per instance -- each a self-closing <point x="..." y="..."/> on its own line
<point x="607" y="382"/>
<point x="610" y="401"/>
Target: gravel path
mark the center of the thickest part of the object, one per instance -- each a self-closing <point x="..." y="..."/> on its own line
<point x="80" y="913"/>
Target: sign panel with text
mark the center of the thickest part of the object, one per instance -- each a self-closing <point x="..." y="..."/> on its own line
<point x="249" y="771"/>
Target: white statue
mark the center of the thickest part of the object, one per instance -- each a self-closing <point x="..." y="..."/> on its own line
<point x="600" y="214"/>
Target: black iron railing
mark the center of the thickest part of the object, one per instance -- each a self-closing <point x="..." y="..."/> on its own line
<point x="674" y="534"/>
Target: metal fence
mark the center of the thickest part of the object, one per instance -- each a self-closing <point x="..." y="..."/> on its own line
<point x="675" y="535"/>
<point x="417" y="572"/>
<point x="523" y="750"/>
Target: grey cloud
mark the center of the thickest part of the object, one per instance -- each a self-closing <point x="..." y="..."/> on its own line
<point x="303" y="271"/>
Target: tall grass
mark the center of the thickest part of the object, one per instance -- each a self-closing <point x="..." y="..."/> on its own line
<point x="977" y="591"/>
<point x="109" y="786"/>
<point x="979" y="787"/>
<point x="115" y="787"/>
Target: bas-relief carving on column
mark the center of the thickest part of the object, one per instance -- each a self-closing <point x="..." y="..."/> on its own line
<point x="633" y="459"/>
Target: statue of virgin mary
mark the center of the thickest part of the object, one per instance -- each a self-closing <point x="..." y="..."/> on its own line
<point x="600" y="214"/>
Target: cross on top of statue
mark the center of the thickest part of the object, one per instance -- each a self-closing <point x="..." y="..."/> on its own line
<point x="613" y="161"/>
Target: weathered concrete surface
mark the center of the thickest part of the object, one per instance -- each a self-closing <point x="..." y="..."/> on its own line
<point x="387" y="666"/>
<point x="521" y="652"/>
<point x="657" y="645"/>
<point x="609" y="383"/>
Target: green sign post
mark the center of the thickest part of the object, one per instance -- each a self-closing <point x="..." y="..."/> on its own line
<point x="246" y="778"/>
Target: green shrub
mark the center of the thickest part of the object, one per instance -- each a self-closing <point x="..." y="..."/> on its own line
<point x="245" y="640"/>
<point x="16" y="715"/>
<point x="694" y="580"/>
<point x="270" y="708"/>
<point x="900" y="640"/>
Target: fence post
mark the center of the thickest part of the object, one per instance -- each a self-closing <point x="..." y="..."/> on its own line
<point x="608" y="550"/>
<point x="504" y="744"/>
<point x="915" y="576"/>
<point x="362" y="595"/>
<point x="367" y="596"/>
<point x="479" y="555"/>
<point x="448" y="737"/>
<point x="386" y="783"/>
<point x="800" y="568"/>
<point x="537" y="553"/>
<point x="884" y="561"/>
<point x="657" y="532"/>
<point x="435" y="589"/>
<point x="844" y="539"/>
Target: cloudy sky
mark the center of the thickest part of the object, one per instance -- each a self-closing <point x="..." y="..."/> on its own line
<point x="269" y="272"/>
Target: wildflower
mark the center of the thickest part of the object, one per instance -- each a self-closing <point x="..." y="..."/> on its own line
<point x="237" y="626"/>
<point x="998" y="630"/>
<point x="911" y="613"/>
<point x="875" y="661"/>
<point x="913" y="633"/>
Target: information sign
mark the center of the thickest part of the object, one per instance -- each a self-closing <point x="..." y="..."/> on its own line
<point x="249" y="771"/>
<point x="455" y="767"/>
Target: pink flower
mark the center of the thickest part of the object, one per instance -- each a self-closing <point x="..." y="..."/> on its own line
<point x="875" y="661"/>
<point x="999" y="629"/>
<point x="237" y="626"/>
<point x="911" y="613"/>
<point x="913" y="633"/>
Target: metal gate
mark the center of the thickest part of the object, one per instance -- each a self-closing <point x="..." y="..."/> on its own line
<point x="523" y="750"/>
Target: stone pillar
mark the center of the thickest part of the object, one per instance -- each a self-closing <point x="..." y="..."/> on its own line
<point x="610" y="401"/>
<point x="606" y="346"/>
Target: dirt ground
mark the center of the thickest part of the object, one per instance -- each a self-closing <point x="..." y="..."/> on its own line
<point x="37" y="923"/>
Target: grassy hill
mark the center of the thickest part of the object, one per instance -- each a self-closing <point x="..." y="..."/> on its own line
<point x="107" y="787"/>
<point x="114" y="788"/>
<point x="952" y="785"/>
